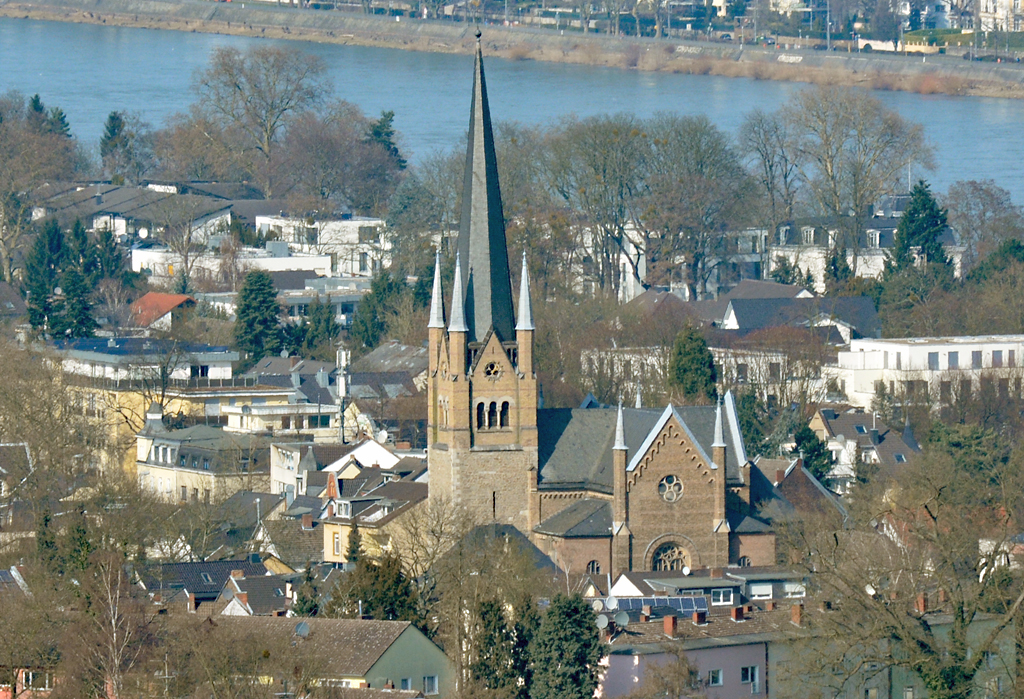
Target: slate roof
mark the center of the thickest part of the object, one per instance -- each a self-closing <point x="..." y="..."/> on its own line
<point x="284" y="366"/>
<point x="152" y="306"/>
<point x="175" y="576"/>
<point x="575" y="444"/>
<point x="292" y="280"/>
<point x="137" y="203"/>
<point x="890" y="441"/>
<point x="265" y="594"/>
<point x="353" y="646"/>
<point x="583" y="519"/>
<point x="804" y="492"/>
<point x="482" y="538"/>
<point x="759" y="289"/>
<point x="296" y="546"/>
<point x="857" y="311"/>
<point x="392" y="357"/>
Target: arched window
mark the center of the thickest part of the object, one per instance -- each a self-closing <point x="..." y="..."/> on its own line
<point x="670" y="556"/>
<point x="480" y="416"/>
<point x="492" y="415"/>
<point x="504" y="414"/>
<point x="593" y="567"/>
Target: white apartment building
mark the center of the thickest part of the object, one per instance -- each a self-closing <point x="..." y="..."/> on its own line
<point x="356" y="245"/>
<point x="936" y="368"/>
<point x="161" y="264"/>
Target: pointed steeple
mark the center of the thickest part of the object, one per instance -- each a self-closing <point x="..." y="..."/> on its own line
<point x="525" y="321"/>
<point x="458" y="324"/>
<point x="719" y="433"/>
<point x="488" y="290"/>
<point x="436" y="298"/>
<point x="620" y="433"/>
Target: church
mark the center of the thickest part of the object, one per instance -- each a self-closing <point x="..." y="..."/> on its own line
<point x="601" y="490"/>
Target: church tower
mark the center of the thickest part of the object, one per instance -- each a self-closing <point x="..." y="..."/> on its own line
<point x="482" y="387"/>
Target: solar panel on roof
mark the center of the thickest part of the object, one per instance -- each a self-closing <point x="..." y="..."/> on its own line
<point x="700" y="604"/>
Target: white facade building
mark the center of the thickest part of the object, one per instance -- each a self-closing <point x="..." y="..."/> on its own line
<point x="357" y="245"/>
<point x="934" y="368"/>
<point x="161" y="264"/>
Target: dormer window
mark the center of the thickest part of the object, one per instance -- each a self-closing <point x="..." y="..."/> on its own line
<point x="345" y="509"/>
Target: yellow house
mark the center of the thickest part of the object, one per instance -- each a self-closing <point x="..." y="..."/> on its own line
<point x="376" y="511"/>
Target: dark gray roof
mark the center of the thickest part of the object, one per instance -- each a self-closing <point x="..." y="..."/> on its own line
<point x="481" y="243"/>
<point x="265" y="594"/>
<point x="575" y="445"/>
<point x="190" y="576"/>
<point x="392" y="357"/>
<point x="857" y="311"/>
<point x="11" y="303"/>
<point x="583" y="519"/>
<point x="291" y="280"/>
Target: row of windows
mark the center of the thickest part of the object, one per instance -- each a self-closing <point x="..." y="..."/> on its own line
<point x="490" y="416"/>
<point x="165" y="485"/>
<point x="950" y="391"/>
<point x="999" y="359"/>
<point x="310" y="422"/>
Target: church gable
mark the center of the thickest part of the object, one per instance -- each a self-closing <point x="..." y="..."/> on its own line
<point x="674" y="461"/>
<point x="491" y="362"/>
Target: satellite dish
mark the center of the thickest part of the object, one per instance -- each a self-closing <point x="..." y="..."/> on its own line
<point x="302" y="629"/>
<point x="382" y="436"/>
<point x="686" y="570"/>
<point x="143" y="233"/>
<point x="622" y="620"/>
<point x="602" y="621"/>
<point x="870" y="589"/>
<point x="611" y="604"/>
<point x="598" y="605"/>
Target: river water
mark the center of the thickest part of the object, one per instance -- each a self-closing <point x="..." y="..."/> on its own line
<point x="90" y="70"/>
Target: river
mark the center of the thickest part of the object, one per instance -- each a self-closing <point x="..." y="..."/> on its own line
<point x="90" y="70"/>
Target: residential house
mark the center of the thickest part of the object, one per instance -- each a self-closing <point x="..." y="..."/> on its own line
<point x="195" y="583"/>
<point x="805" y="493"/>
<point x="160" y="263"/>
<point x="199" y="463"/>
<point x="298" y="543"/>
<point x="935" y="370"/>
<point x="132" y="212"/>
<point x="261" y="595"/>
<point x="857" y="439"/>
<point x="12" y="306"/>
<point x="358" y="653"/>
<point x="161" y="312"/>
<point x="314" y="408"/>
<point x="807" y="245"/>
<point x="356" y="244"/>
<point x="291" y="464"/>
<point x="375" y="502"/>
<point x="388" y="385"/>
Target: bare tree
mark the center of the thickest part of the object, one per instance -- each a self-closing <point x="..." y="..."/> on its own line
<point x="982" y="215"/>
<point x="851" y="150"/>
<point x="259" y="93"/>
<point x="674" y="677"/>
<point x="767" y="141"/>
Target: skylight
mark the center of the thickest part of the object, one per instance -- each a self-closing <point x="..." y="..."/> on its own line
<point x="900" y="459"/>
<point x="861" y="429"/>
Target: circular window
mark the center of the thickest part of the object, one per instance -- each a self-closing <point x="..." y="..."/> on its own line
<point x="670" y="488"/>
<point x="492" y="370"/>
<point x="670" y="556"/>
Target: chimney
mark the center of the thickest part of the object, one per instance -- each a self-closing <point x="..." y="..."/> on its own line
<point x="716" y="573"/>
<point x="825" y="606"/>
<point x="237" y="575"/>
<point x="645" y="613"/>
<point x="389" y="685"/>
<point x="158" y="597"/>
<point x="700" y="618"/>
<point x="292" y="362"/>
<point x="243" y="598"/>
<point x="737" y="614"/>
<point x="942" y="596"/>
<point x="307" y="521"/>
<point x="874" y="436"/>
<point x="780" y="476"/>
<point x="670" y="625"/>
<point x="797" y="615"/>
<point x="770" y="606"/>
<point x="921" y="603"/>
<point x="191" y="602"/>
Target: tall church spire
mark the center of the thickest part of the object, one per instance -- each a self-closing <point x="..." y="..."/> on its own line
<point x="525" y="321"/>
<point x="488" y="285"/>
<point x="436" y="299"/>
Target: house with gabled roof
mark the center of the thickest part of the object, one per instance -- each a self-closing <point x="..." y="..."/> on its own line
<point x="162" y="312"/>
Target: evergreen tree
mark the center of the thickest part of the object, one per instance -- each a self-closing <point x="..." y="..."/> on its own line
<point x="527" y="622"/>
<point x="817" y="457"/>
<point x="492" y="668"/>
<point x="382" y="132"/>
<point x="751" y="414"/>
<point x="46" y="544"/>
<point x="74" y="318"/>
<point x="566" y="651"/>
<point x="380" y="590"/>
<point x="57" y="123"/>
<point x="78" y="546"/>
<point x="838" y="274"/>
<point x="113" y="135"/>
<point x="353" y="553"/>
<point x="80" y="252"/>
<point x="307" y="599"/>
<point x="370" y="323"/>
<point x="321" y="331"/>
<point x="42" y="273"/>
<point x="692" y="367"/>
<point x="921" y="226"/>
<point x="257" y="330"/>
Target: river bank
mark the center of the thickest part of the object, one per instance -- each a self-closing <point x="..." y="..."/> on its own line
<point x="931" y="75"/>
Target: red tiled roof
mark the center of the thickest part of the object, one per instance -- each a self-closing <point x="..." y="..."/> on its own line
<point x="154" y="306"/>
